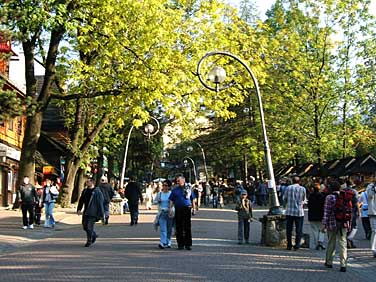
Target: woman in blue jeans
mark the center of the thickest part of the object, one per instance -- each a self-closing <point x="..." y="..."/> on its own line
<point x="49" y="196"/>
<point x="164" y="221"/>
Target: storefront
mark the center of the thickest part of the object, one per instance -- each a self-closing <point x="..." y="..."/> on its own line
<point x="9" y="159"/>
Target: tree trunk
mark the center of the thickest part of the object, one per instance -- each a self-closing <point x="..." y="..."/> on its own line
<point x="29" y="146"/>
<point x="72" y="166"/>
<point x="79" y="185"/>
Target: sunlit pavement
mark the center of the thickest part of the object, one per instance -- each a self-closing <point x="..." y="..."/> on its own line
<point x="130" y="253"/>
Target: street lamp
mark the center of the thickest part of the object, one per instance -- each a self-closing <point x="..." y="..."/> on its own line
<point x="193" y="166"/>
<point x="149" y="130"/>
<point x="217" y="76"/>
<point x="190" y="149"/>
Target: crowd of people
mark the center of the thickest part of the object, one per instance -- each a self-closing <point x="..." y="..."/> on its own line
<point x="334" y="207"/>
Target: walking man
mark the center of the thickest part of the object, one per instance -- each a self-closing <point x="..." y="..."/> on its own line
<point x="108" y="192"/>
<point x="183" y="200"/>
<point x="92" y="200"/>
<point x="371" y="193"/>
<point x="294" y="197"/>
<point x="337" y="230"/>
<point x="27" y="196"/>
<point x="134" y="195"/>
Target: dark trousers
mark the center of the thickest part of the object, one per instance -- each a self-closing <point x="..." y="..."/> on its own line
<point x="290" y="221"/>
<point x="183" y="226"/>
<point x="243" y="229"/>
<point x="367" y="227"/>
<point x="27" y="208"/>
<point x="133" y="210"/>
<point x="88" y="225"/>
<point x="38" y="214"/>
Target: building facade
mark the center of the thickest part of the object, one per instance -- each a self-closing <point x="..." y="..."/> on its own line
<point x="11" y="132"/>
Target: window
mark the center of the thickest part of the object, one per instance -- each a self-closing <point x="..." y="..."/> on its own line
<point x="10" y="124"/>
<point x="19" y="125"/>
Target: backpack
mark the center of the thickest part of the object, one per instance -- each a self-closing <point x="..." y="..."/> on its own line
<point x="343" y="208"/>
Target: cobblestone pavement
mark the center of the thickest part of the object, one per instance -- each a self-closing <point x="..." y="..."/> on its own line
<point x="130" y="253"/>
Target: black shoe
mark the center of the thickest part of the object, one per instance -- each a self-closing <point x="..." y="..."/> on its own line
<point x="289" y="248"/>
<point x="328" y="265"/>
<point x="160" y="246"/>
<point x="342" y="269"/>
<point x="106" y="221"/>
<point x="180" y="248"/>
<point x="87" y="244"/>
<point x="322" y="247"/>
<point x="296" y="248"/>
<point x="188" y="248"/>
<point x="131" y="224"/>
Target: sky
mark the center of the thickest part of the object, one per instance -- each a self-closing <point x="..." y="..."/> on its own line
<point x="264" y="5"/>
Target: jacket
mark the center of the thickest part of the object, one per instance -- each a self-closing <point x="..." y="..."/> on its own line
<point x="244" y="209"/>
<point x="371" y="193"/>
<point x="133" y="193"/>
<point x="54" y="193"/>
<point x="316" y="203"/>
<point x="107" y="191"/>
<point x="92" y="199"/>
<point x="27" y="193"/>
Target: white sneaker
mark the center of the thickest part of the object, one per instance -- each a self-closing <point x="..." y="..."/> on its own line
<point x="31" y="226"/>
<point x="24" y="227"/>
<point x="46" y="225"/>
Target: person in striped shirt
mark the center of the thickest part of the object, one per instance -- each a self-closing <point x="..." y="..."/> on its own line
<point x="294" y="199"/>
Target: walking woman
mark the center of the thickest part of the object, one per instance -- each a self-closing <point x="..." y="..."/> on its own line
<point x="165" y="220"/>
<point x="49" y="196"/>
<point x="316" y="201"/>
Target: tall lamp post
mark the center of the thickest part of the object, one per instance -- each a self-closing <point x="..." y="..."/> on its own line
<point x="193" y="166"/>
<point x="190" y="148"/>
<point x="149" y="130"/>
<point x="218" y="75"/>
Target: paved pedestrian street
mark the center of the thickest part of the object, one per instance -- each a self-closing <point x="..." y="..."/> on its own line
<point x="131" y="253"/>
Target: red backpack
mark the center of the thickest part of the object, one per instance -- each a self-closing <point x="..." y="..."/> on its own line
<point x="343" y="208"/>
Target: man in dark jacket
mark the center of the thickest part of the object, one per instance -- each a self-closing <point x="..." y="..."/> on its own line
<point x="133" y="194"/>
<point x="92" y="200"/>
<point x="27" y="196"/>
<point x="108" y="192"/>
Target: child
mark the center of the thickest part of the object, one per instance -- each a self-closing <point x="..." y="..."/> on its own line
<point x="38" y="206"/>
<point x="244" y="209"/>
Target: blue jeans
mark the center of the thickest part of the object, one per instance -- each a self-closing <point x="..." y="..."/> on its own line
<point x="165" y="227"/>
<point x="298" y="221"/>
<point x="48" y="209"/>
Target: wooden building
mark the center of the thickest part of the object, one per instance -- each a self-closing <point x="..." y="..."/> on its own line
<point x="11" y="133"/>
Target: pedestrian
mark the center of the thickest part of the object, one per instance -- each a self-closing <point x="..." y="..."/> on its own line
<point x="263" y="192"/>
<point x="38" y="205"/>
<point x="27" y="196"/>
<point x="92" y="200"/>
<point x="336" y="229"/>
<point x="363" y="204"/>
<point x="371" y="194"/>
<point x="244" y="208"/>
<point x="149" y="195"/>
<point x="165" y="220"/>
<point x="294" y="198"/>
<point x="182" y="198"/>
<point x="316" y="201"/>
<point x="49" y="197"/>
<point x="134" y="196"/>
<point x="108" y="192"/>
<point x="355" y="214"/>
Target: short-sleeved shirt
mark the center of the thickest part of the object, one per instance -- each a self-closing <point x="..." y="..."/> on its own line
<point x="180" y="199"/>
